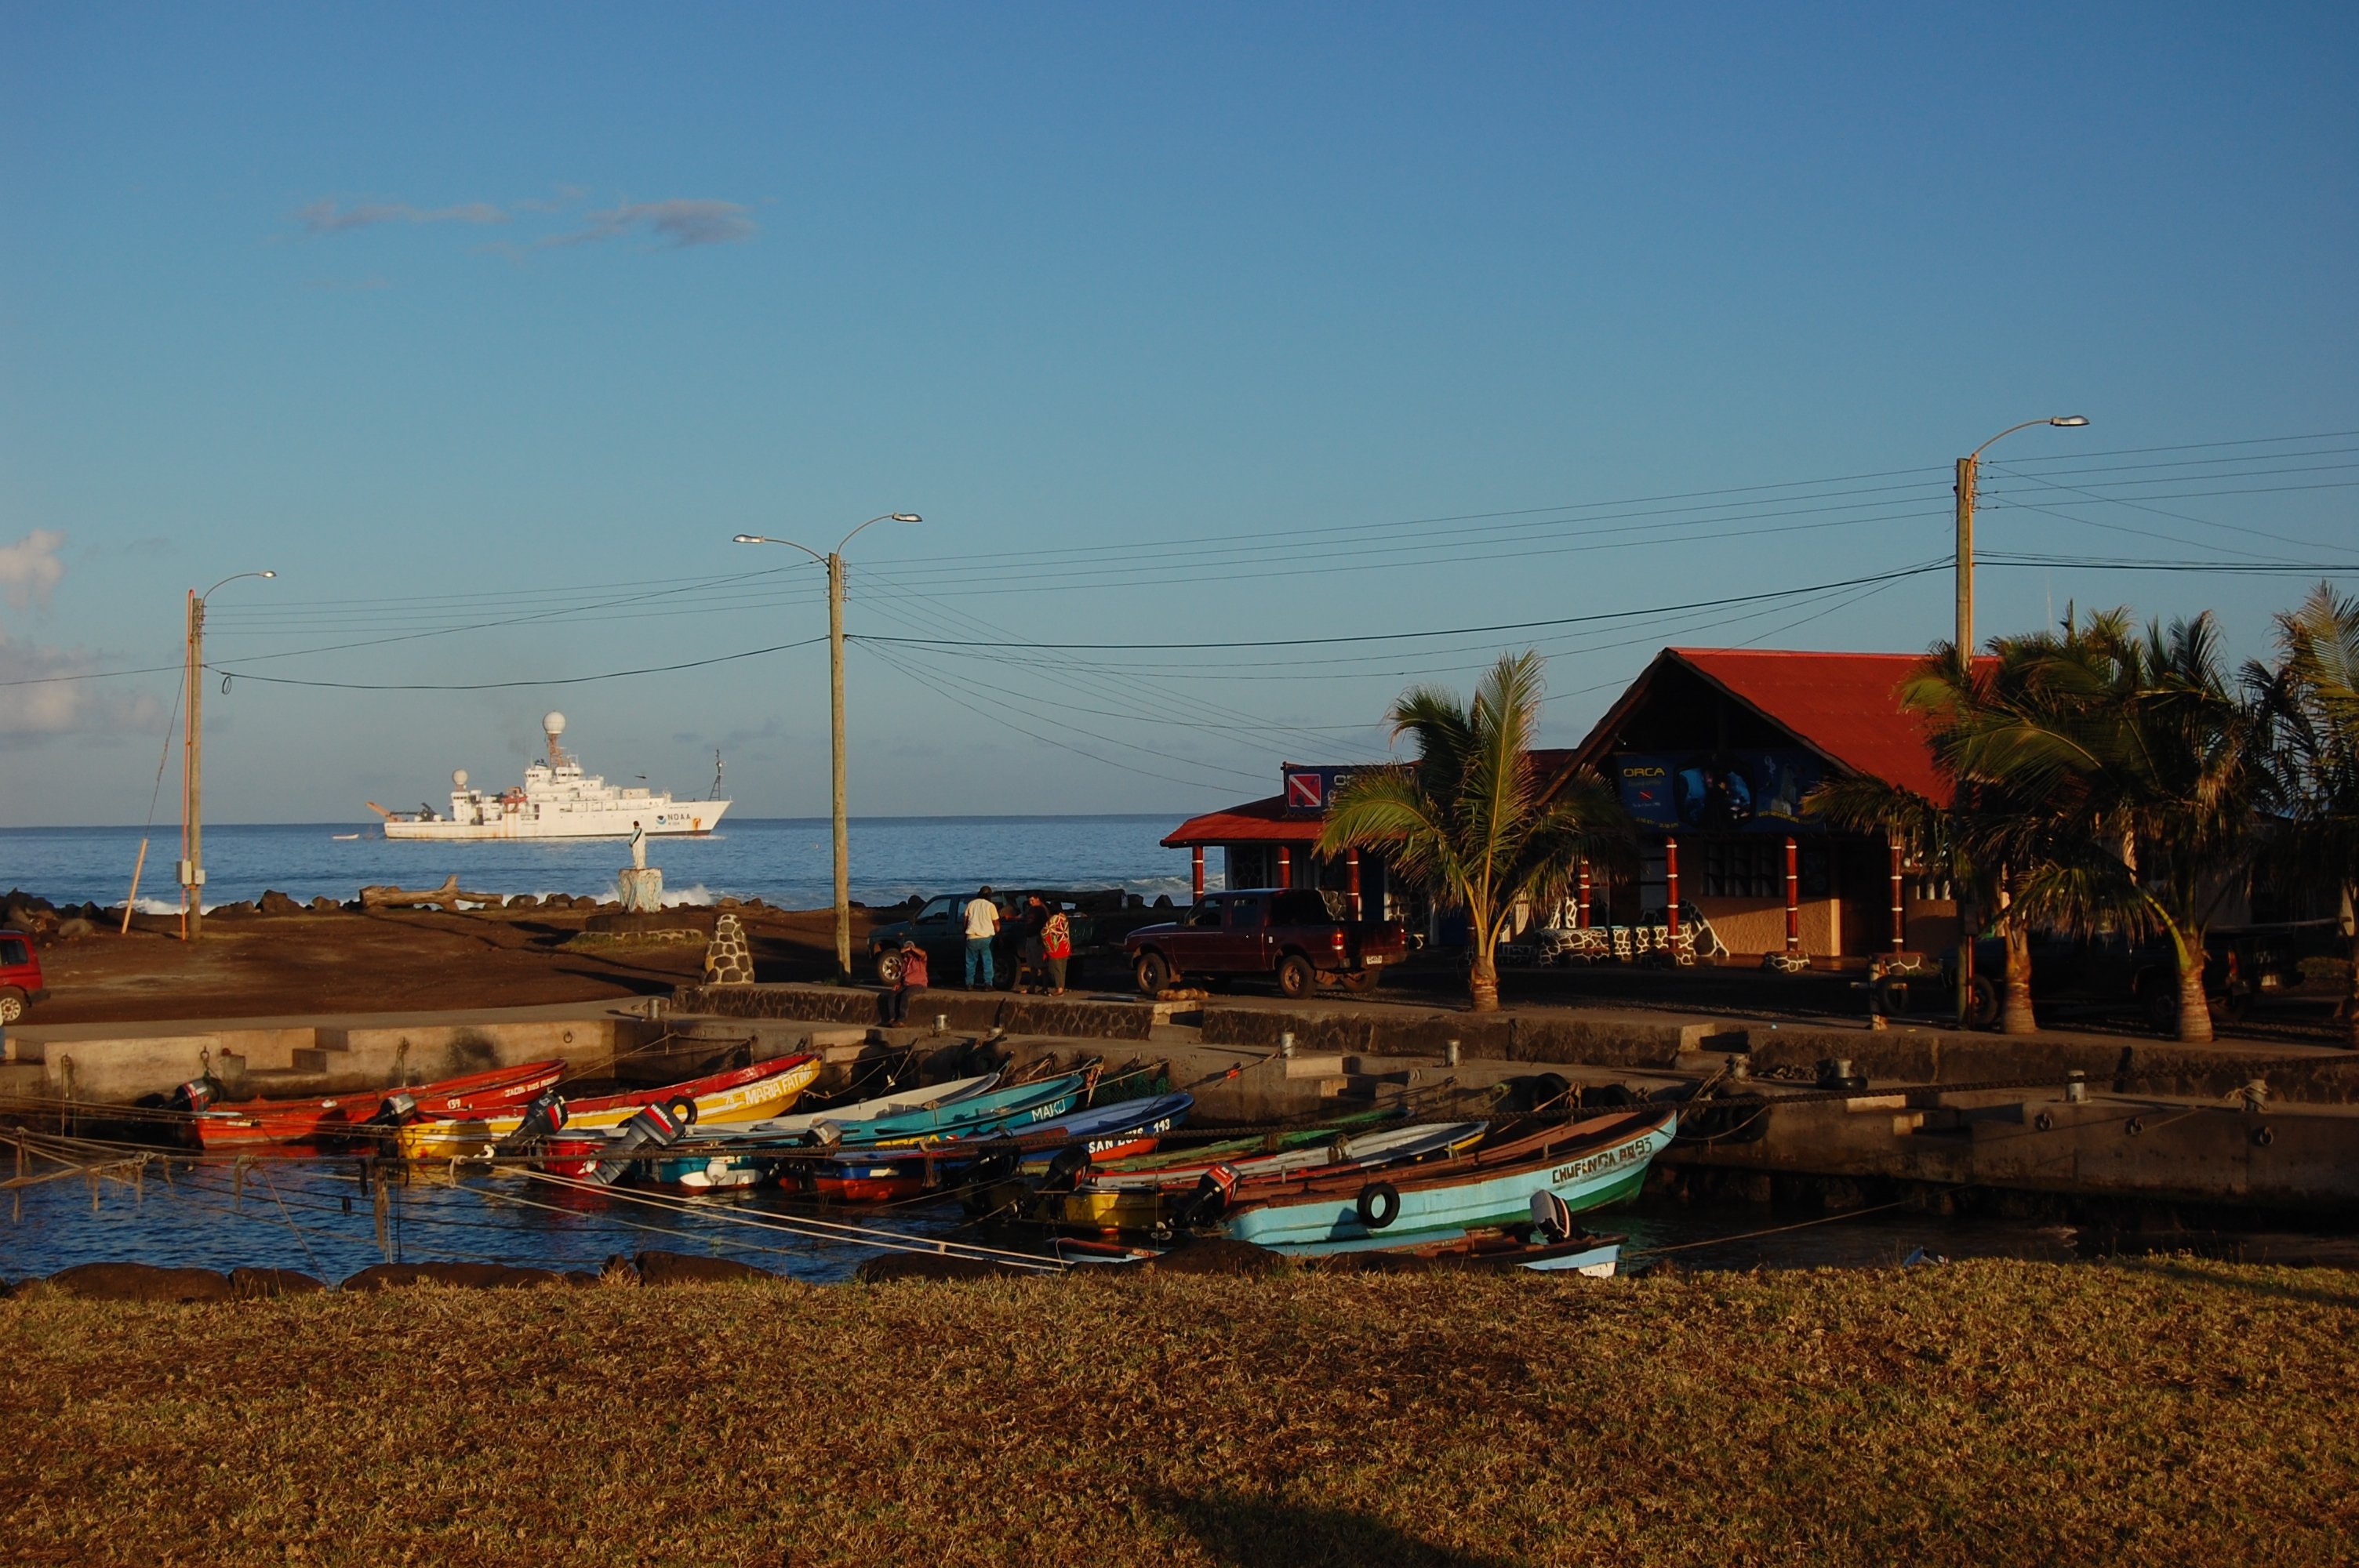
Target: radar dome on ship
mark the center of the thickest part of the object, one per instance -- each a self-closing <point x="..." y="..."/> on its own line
<point x="458" y="778"/>
<point x="554" y="723"/>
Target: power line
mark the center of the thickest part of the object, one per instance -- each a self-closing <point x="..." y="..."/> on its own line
<point x="508" y="685"/>
<point x="1451" y="631"/>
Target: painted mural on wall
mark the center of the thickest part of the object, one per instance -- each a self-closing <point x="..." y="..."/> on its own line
<point x="1739" y="792"/>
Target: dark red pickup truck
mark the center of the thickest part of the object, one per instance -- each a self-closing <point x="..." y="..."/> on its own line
<point x="1287" y="932"/>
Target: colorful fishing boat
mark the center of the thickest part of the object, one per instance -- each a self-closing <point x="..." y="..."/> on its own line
<point x="701" y="1169"/>
<point x="1126" y="1199"/>
<point x="1587" y="1164"/>
<point x="248" y="1123"/>
<point x="740" y="1094"/>
<point x="1023" y="1105"/>
<point x="884" y="1175"/>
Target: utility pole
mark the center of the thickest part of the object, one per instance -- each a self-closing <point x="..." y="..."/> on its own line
<point x="1969" y="469"/>
<point x="833" y="562"/>
<point x="192" y="763"/>
<point x="835" y="764"/>
<point x="1966" y="469"/>
<point x="192" y="772"/>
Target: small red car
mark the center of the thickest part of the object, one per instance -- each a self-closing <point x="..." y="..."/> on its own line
<point x="20" y="976"/>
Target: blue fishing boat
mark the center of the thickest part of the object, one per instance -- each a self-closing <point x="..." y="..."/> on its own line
<point x="705" y="1169"/>
<point x="879" y="1175"/>
<point x="1587" y="1164"/>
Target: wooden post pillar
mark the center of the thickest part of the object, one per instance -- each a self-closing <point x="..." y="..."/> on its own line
<point x="1671" y="888"/>
<point x="1196" y="873"/>
<point x="1793" y="896"/>
<point x="1580" y="909"/>
<point x="1899" y="902"/>
<point x="1351" y="873"/>
<point x="1286" y="865"/>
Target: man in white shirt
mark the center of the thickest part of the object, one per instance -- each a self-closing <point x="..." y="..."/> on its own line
<point x="981" y="930"/>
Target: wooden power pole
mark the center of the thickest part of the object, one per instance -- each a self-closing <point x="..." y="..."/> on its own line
<point x="193" y="774"/>
<point x="835" y="764"/>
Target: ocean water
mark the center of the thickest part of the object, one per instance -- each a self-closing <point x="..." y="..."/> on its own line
<point x="311" y="1215"/>
<point x="785" y="860"/>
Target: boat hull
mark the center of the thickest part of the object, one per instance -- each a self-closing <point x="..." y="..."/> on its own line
<point x="745" y="1094"/>
<point x="255" y="1123"/>
<point x="1585" y="1178"/>
<point x="676" y="819"/>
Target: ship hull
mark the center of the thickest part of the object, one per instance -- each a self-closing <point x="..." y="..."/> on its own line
<point x="675" y="819"/>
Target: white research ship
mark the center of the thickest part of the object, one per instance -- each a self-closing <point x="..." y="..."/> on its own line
<point x="557" y="801"/>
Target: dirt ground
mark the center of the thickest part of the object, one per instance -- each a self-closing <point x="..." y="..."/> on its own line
<point x="262" y="966"/>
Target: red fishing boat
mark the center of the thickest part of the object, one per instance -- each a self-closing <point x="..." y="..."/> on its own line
<point x="251" y="1122"/>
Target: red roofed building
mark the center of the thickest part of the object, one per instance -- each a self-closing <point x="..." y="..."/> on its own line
<point x="1714" y="751"/>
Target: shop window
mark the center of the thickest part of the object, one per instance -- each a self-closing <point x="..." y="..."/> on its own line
<point x="1744" y="871"/>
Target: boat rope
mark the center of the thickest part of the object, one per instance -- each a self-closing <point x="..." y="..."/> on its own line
<point x="1772" y="1230"/>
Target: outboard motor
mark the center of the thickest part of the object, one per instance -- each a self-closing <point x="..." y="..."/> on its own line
<point x="655" y="1127"/>
<point x="823" y="1135"/>
<point x="1066" y="1170"/>
<point x="195" y="1095"/>
<point x="543" y="1118"/>
<point x="1552" y="1217"/>
<point x="1211" y="1198"/>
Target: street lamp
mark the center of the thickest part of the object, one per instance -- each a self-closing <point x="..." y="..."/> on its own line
<point x="192" y="832"/>
<point x="1967" y="467"/>
<point x="833" y="561"/>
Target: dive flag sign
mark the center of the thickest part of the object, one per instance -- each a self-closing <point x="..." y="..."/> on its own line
<point x="1305" y="791"/>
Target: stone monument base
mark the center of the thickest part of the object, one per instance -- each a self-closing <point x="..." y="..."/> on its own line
<point x="642" y="888"/>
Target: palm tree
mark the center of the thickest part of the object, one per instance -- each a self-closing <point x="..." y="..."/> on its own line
<point x="2313" y="698"/>
<point x="2144" y="771"/>
<point x="1983" y="842"/>
<point x="1470" y="819"/>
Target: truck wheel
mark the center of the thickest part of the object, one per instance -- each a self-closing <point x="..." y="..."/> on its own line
<point x="2160" y="997"/>
<point x="889" y="967"/>
<point x="1358" y="981"/>
<point x="1296" y="978"/>
<point x="12" y="1004"/>
<point x="1981" y="1003"/>
<point x="1153" y="973"/>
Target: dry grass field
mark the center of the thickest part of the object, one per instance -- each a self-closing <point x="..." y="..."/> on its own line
<point x="1992" y="1413"/>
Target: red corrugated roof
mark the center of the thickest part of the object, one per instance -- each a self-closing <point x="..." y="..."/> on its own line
<point x="1255" y="822"/>
<point x="1845" y="706"/>
<point x="1268" y="821"/>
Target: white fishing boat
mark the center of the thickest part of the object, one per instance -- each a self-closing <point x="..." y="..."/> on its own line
<point x="557" y="800"/>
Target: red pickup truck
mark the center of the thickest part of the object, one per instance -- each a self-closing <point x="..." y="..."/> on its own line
<point x="1287" y="932"/>
<point x="20" y="976"/>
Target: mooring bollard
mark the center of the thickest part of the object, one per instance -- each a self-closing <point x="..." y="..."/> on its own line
<point x="941" y="1023"/>
<point x="1286" y="1043"/>
<point x="1450" y="1053"/>
<point x="2076" y="1087"/>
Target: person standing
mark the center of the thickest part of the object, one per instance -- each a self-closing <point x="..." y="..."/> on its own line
<point x="981" y="931"/>
<point x="1056" y="946"/>
<point x="1030" y="959"/>
<point x="911" y="981"/>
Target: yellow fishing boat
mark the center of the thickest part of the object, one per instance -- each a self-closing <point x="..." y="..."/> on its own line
<point x="741" y="1094"/>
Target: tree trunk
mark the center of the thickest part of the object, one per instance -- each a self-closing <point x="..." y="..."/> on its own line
<point x="2016" y="1016"/>
<point x="2194" y="1010"/>
<point x="1483" y="980"/>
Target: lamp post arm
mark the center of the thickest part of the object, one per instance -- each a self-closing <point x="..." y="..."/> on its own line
<point x="848" y="537"/>
<point x="2002" y="435"/>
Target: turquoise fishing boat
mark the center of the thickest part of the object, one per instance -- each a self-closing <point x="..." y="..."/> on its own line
<point x="1588" y="1165"/>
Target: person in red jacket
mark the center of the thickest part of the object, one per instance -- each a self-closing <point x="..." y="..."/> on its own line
<point x="912" y="980"/>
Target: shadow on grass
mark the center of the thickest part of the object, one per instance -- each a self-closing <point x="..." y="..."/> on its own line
<point x="1246" y="1531"/>
<point x="2196" y="1273"/>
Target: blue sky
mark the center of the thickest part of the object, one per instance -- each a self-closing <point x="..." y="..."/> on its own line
<point x="473" y="314"/>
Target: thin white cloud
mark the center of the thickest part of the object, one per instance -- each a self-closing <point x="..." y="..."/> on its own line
<point x="325" y="217"/>
<point x="34" y="702"/>
<point x="679" y="222"/>
<point x="29" y="569"/>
